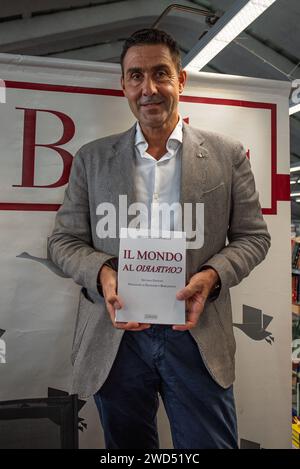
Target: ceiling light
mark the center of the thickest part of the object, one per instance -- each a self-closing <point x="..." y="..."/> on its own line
<point x="227" y="28"/>
<point x="294" y="109"/>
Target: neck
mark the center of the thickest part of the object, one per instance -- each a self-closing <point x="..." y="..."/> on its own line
<point x="157" y="138"/>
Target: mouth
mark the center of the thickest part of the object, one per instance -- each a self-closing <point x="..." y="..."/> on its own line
<point x="150" y="105"/>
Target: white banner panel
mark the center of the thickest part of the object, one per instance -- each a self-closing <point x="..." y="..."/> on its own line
<point x="53" y="107"/>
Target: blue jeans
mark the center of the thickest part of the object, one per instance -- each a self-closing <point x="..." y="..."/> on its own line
<point x="160" y="360"/>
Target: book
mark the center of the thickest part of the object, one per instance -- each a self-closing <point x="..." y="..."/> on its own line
<point x="295" y="253"/>
<point x="151" y="271"/>
<point x="296" y="435"/>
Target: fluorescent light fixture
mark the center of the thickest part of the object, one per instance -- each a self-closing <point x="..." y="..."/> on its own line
<point x="294" y="109"/>
<point x="227" y="28"/>
<point x="294" y="182"/>
<point x="297" y="200"/>
<point x="295" y="194"/>
<point x="293" y="169"/>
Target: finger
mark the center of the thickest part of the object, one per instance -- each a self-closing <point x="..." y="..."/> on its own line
<point x="186" y="292"/>
<point x="127" y="325"/>
<point x="112" y="303"/>
<point x="135" y="326"/>
<point x="118" y="303"/>
<point x="111" y="312"/>
<point x="183" y="327"/>
<point x="132" y="326"/>
<point x="141" y="328"/>
<point x="114" y="300"/>
<point x="111" y="297"/>
<point x="189" y="324"/>
<point x="192" y="316"/>
<point x="197" y="304"/>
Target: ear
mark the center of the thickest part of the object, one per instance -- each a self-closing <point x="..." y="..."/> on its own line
<point x="123" y="85"/>
<point x="182" y="80"/>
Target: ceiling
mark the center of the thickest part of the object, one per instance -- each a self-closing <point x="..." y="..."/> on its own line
<point x="95" y="30"/>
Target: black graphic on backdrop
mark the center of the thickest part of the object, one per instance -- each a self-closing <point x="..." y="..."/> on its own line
<point x="52" y="392"/>
<point x="255" y="324"/>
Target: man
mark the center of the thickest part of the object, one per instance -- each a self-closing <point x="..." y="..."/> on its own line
<point x="126" y="365"/>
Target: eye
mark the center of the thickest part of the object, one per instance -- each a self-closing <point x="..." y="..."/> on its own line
<point x="136" y="76"/>
<point x="161" y="74"/>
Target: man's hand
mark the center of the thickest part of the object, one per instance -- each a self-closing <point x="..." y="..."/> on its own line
<point x="195" y="295"/>
<point x="108" y="281"/>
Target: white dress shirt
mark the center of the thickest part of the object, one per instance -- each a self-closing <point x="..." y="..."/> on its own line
<point x="158" y="181"/>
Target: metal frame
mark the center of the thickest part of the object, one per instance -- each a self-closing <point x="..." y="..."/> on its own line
<point x="211" y="18"/>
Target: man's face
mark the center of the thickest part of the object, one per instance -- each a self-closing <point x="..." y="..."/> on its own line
<point x="152" y="85"/>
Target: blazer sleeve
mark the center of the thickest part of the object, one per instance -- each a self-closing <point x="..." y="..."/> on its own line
<point x="248" y="236"/>
<point x="70" y="245"/>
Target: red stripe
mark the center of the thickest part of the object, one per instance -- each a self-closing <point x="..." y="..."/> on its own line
<point x="226" y="102"/>
<point x="30" y="207"/>
<point x="62" y="88"/>
<point x="280" y="188"/>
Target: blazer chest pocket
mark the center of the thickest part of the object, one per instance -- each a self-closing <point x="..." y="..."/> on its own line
<point x="216" y="208"/>
<point x="213" y="189"/>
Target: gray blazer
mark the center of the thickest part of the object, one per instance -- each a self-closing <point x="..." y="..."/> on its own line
<point x="222" y="179"/>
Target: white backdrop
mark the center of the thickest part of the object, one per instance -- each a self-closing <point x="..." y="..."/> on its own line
<point x="52" y="101"/>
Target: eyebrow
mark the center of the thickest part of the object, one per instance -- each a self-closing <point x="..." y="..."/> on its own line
<point x="133" y="70"/>
<point x="139" y="69"/>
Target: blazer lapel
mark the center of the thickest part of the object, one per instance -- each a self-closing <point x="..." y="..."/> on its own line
<point x="122" y="165"/>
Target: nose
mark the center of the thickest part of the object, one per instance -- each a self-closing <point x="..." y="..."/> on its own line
<point x="149" y="86"/>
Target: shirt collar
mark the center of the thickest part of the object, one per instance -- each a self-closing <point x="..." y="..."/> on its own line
<point x="174" y="140"/>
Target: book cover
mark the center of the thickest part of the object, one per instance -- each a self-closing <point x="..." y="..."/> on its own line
<point x="151" y="271"/>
